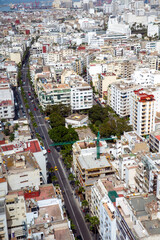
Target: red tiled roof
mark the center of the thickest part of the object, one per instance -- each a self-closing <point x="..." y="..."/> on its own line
<point x="34" y="147"/>
<point x="2" y="180"/>
<point x="158" y="137"/>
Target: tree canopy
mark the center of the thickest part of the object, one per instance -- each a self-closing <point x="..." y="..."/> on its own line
<point x="63" y="134"/>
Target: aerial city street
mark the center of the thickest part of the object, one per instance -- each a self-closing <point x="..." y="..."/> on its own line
<point x="80" y="120"/>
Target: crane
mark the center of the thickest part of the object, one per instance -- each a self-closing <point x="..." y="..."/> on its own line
<point x="98" y="139"/>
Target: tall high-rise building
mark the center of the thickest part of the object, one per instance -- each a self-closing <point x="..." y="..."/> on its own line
<point x="143" y="110"/>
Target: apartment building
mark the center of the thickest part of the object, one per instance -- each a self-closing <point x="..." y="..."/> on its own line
<point x="3" y="220"/>
<point x="49" y="93"/>
<point x="81" y="96"/>
<point x="125" y="160"/>
<point x="43" y="215"/>
<point x="119" y="97"/>
<point x="154" y="141"/>
<point x="21" y="170"/>
<point x="98" y="191"/>
<point x="37" y="154"/>
<point x="107" y="228"/>
<point x="146" y="77"/>
<point x="16" y="216"/>
<point x="6" y="101"/>
<point x="154" y="62"/>
<point x="143" y="110"/>
<point x="82" y="147"/>
<point x="104" y="80"/>
<point x="147" y="176"/>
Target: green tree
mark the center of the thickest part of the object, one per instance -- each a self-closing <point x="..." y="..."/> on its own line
<point x="56" y="120"/>
<point x="77" y="183"/>
<point x="81" y="190"/>
<point x="7" y="125"/>
<point x="84" y="203"/>
<point x="94" y="223"/>
<point x="16" y="126"/>
<point x="11" y="137"/>
<point x="53" y="178"/>
<point x="87" y="217"/>
<point x="34" y="124"/>
<point x="97" y="113"/>
<point x="60" y="109"/>
<point x="6" y="131"/>
<point x="27" y="106"/>
<point x="71" y="177"/>
<point x="63" y="134"/>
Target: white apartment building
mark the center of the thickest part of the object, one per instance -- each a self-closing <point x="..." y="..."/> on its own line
<point x="119" y="97"/>
<point x="143" y="110"/>
<point x="146" y="77"/>
<point x="107" y="220"/>
<point x="125" y="161"/>
<point x="98" y="191"/>
<point x="114" y="25"/>
<point x="81" y="96"/>
<point x="50" y="94"/>
<point x="153" y="30"/>
<point x="6" y="101"/>
<point x="21" y="170"/>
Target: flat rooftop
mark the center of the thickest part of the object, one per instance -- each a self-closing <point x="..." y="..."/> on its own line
<point x="140" y="204"/>
<point x="89" y="161"/>
<point x="46" y="192"/>
<point x="49" y="212"/>
<point x="152" y="226"/>
<point x="76" y="117"/>
<point x="19" y="162"/>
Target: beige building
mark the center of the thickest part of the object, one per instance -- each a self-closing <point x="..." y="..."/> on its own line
<point x="16" y="216"/>
<point x="16" y="56"/>
<point x="87" y="167"/>
<point x="105" y="79"/>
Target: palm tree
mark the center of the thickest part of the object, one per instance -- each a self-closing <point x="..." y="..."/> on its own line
<point x="84" y="203"/>
<point x="71" y="177"/>
<point x="81" y="190"/>
<point x="34" y="124"/>
<point x="77" y="183"/>
<point x="54" y="178"/>
<point x="87" y="217"/>
<point x="94" y="223"/>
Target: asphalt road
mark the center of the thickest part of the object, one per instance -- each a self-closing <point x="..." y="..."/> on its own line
<point x="54" y="160"/>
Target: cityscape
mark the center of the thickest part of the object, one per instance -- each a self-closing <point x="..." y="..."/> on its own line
<point x="80" y="120"/>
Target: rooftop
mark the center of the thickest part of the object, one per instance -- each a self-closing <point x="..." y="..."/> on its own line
<point x="89" y="161"/>
<point x="46" y="192"/>
<point x="49" y="212"/>
<point x="20" y="162"/>
<point x="76" y="117"/>
<point x="143" y="205"/>
<point x="32" y="146"/>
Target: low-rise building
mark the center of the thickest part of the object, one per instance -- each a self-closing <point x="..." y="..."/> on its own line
<point x="76" y="120"/>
